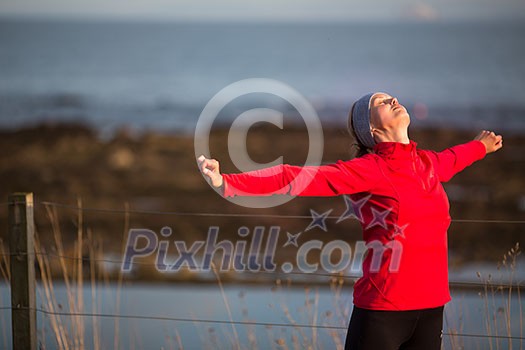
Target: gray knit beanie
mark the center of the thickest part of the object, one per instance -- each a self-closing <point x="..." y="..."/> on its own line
<point x="361" y="120"/>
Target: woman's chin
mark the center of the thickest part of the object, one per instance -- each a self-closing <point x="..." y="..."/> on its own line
<point x="403" y="118"/>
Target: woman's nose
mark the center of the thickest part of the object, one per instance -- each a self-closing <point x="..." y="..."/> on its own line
<point x="394" y="101"/>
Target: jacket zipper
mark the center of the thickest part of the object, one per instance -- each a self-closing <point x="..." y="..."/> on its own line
<point x="417" y="173"/>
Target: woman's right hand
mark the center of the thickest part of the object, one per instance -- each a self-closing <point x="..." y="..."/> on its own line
<point x="210" y="170"/>
<point x="491" y="141"/>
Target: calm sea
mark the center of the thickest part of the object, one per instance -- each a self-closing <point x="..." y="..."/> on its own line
<point x="161" y="75"/>
<point x="156" y="315"/>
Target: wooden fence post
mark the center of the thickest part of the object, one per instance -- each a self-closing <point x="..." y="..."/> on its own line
<point x="22" y="248"/>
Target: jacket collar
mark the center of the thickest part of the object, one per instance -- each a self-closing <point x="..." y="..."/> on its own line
<point x="395" y="150"/>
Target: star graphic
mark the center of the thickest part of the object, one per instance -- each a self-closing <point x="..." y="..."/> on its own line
<point x="398" y="231"/>
<point x="318" y="220"/>
<point x="353" y="209"/>
<point x="292" y="239"/>
<point x="379" y="218"/>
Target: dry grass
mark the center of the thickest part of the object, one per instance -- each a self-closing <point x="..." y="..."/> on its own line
<point x="495" y="302"/>
<point x="70" y="332"/>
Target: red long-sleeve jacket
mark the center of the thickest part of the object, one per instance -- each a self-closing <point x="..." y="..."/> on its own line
<point x="404" y="211"/>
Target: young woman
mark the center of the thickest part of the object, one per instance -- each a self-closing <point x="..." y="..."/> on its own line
<point x="397" y="193"/>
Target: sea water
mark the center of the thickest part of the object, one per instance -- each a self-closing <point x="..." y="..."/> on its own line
<point x="160" y="75"/>
<point x="198" y="316"/>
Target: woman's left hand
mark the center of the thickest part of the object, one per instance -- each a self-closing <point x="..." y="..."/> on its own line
<point x="491" y="141"/>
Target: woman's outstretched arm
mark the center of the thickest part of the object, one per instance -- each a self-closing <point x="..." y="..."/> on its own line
<point x="343" y="177"/>
<point x="454" y="159"/>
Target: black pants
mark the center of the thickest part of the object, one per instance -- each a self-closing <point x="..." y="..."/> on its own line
<point x="393" y="330"/>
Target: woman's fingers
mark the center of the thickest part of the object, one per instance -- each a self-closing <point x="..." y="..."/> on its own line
<point x="491" y="141"/>
<point x="208" y="165"/>
<point x="481" y="135"/>
<point x="210" y="168"/>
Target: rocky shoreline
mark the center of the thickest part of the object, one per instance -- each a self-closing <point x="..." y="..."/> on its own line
<point x="151" y="181"/>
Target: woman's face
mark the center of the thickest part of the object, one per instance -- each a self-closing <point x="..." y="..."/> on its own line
<point x="387" y="114"/>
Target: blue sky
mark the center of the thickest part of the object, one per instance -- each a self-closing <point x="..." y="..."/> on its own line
<point x="286" y="10"/>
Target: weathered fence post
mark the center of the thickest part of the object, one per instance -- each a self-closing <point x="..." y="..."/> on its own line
<point x="22" y="248"/>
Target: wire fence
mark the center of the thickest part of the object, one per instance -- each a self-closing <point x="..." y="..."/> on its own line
<point x="229" y="322"/>
<point x="237" y="215"/>
<point x="251" y="215"/>
<point x="338" y="275"/>
<point x="517" y="285"/>
<point x="233" y="215"/>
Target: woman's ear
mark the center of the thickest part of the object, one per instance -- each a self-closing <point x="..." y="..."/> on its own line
<point x="375" y="133"/>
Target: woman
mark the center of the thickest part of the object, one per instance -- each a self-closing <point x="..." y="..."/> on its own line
<point x="399" y="301"/>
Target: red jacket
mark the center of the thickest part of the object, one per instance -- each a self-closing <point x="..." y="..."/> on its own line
<point x="404" y="212"/>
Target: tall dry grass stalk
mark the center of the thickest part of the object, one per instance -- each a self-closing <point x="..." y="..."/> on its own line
<point x="116" y="337"/>
<point x="79" y="343"/>
<point x="312" y="315"/>
<point x="509" y="263"/>
<point x="498" y="318"/>
<point x="69" y="331"/>
<point x="342" y="306"/>
<point x="95" y="306"/>
<point x="235" y="342"/>
<point x="250" y="329"/>
<point x="304" y="341"/>
<point x="48" y="296"/>
<point x="72" y="277"/>
<point x="5" y="271"/>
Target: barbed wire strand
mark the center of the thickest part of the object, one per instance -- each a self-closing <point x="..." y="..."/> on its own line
<point x="250" y="323"/>
<point x="273" y="216"/>
<point x="256" y="323"/>
<point x="518" y="285"/>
